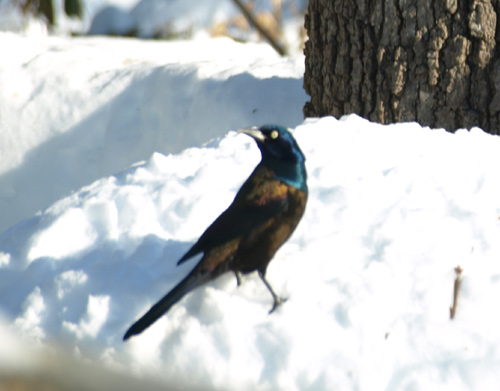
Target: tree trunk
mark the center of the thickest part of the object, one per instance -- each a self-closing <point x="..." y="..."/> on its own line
<point x="431" y="61"/>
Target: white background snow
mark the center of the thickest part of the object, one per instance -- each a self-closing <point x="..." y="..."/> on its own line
<point x="116" y="154"/>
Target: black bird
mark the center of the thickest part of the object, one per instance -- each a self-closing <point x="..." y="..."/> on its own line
<point x="245" y="237"/>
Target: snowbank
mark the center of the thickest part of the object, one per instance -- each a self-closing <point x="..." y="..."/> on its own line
<point x="75" y="110"/>
<point x="141" y="133"/>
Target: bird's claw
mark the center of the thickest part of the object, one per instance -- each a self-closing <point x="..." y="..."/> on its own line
<point x="277" y="302"/>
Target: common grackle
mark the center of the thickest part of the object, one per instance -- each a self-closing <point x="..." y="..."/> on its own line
<point x="245" y="237"/>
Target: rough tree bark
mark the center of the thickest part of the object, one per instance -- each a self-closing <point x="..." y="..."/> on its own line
<point x="431" y="61"/>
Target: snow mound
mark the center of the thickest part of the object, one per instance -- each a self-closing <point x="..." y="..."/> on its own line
<point x="369" y="273"/>
<point x="76" y="110"/>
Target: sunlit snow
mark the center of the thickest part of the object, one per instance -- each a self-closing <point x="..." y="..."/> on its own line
<point x="118" y="153"/>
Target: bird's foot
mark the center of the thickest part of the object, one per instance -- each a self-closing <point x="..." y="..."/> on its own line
<point x="277" y="302"/>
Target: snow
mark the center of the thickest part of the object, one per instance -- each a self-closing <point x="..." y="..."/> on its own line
<point x="93" y="106"/>
<point x="149" y="17"/>
<point x="128" y="151"/>
<point x="164" y="19"/>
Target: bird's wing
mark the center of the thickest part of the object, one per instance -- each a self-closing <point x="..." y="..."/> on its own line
<point x="238" y="220"/>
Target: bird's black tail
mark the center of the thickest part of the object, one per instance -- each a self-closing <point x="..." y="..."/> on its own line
<point x="193" y="279"/>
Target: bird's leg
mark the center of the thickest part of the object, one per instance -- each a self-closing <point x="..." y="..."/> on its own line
<point x="238" y="277"/>
<point x="277" y="300"/>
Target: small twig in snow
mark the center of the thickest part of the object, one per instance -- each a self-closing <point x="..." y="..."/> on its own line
<point x="456" y="288"/>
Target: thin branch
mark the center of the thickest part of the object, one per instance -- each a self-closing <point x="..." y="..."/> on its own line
<point x="456" y="288"/>
<point x="260" y="28"/>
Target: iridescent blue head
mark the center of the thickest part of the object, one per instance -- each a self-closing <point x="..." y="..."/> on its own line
<point x="281" y="154"/>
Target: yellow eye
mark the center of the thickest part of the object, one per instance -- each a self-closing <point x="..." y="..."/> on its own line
<point x="274" y="134"/>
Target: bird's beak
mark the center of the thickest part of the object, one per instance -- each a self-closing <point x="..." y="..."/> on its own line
<point x="254" y="132"/>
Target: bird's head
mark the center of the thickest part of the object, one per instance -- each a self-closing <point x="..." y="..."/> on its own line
<point x="280" y="153"/>
<point x="276" y="142"/>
